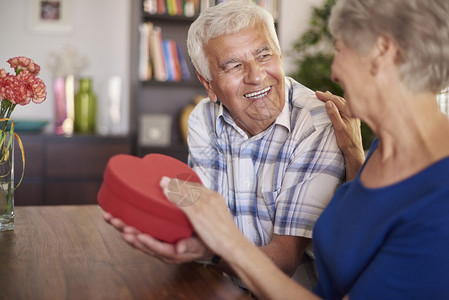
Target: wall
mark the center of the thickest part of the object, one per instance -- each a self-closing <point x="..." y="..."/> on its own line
<point x="295" y="15"/>
<point x="100" y="31"/>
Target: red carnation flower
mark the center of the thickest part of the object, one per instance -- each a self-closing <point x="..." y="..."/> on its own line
<point x="25" y="63"/>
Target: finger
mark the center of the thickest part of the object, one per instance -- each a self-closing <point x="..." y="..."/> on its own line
<point x="130" y="229"/>
<point x="325" y="96"/>
<point x="181" y="247"/>
<point x="334" y="116"/>
<point x="117" y="223"/>
<point x="165" y="181"/>
<point x="132" y="240"/>
<point x="322" y="96"/>
<point x="157" y="247"/>
<point x="191" y="244"/>
<point x="107" y="216"/>
<point x="340" y="102"/>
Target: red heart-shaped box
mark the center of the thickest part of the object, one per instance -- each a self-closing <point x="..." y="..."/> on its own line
<point x="130" y="191"/>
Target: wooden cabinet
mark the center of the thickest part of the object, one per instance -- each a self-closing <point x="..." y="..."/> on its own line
<point x="64" y="170"/>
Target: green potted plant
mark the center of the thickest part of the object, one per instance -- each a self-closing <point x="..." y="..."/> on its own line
<point x="313" y="52"/>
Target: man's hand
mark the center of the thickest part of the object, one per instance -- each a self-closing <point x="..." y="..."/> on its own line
<point x="347" y="131"/>
<point x="185" y="250"/>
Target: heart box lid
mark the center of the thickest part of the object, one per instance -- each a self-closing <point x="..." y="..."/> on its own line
<point x="131" y="192"/>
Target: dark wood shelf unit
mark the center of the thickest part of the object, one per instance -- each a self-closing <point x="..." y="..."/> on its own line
<point x="178" y="151"/>
<point x="154" y="97"/>
<point x="166" y="17"/>
<point x="64" y="170"/>
<point x="183" y="83"/>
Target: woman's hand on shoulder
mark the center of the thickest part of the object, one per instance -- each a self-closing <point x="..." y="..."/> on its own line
<point x="347" y="131"/>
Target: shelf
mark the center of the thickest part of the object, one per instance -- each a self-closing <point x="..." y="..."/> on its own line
<point x="171" y="83"/>
<point x="180" y="19"/>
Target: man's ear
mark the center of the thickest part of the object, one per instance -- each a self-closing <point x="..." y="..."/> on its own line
<point x="206" y="83"/>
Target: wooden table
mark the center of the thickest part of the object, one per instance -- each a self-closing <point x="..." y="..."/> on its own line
<point x="69" y="252"/>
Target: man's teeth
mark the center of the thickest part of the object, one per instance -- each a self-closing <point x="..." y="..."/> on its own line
<point x="259" y="94"/>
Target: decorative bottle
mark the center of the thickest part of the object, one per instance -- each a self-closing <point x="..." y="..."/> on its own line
<point x="85" y="107"/>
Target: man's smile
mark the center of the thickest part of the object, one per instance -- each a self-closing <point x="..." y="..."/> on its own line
<point x="258" y="94"/>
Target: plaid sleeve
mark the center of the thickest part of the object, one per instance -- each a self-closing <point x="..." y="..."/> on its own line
<point x="309" y="182"/>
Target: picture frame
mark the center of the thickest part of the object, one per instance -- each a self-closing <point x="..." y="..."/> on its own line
<point x="50" y="16"/>
<point x="155" y="130"/>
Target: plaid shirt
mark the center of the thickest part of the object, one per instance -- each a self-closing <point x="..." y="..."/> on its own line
<point x="278" y="181"/>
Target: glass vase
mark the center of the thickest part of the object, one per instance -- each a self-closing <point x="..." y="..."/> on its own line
<point x="85" y="107"/>
<point x="6" y="181"/>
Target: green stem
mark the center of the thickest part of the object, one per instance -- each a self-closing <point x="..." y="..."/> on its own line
<point x="6" y="110"/>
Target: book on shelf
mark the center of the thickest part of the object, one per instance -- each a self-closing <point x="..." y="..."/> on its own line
<point x="187" y="8"/>
<point x="169" y="62"/>
<point x="160" y="59"/>
<point x="191" y="8"/>
<point x="145" y="61"/>
<point x="185" y="72"/>
<point x="150" y="6"/>
<point x="176" y="63"/>
<point x="157" y="51"/>
<point x="172" y="8"/>
<point x="161" y="7"/>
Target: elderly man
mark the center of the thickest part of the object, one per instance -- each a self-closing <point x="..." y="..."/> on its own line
<point x="260" y="139"/>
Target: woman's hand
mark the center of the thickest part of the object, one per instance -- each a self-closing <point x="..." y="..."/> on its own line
<point x="347" y="131"/>
<point x="206" y="210"/>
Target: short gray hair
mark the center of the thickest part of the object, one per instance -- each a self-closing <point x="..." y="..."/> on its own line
<point x="419" y="27"/>
<point x="226" y="18"/>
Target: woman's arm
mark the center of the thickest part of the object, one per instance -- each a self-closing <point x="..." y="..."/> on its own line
<point x="213" y="223"/>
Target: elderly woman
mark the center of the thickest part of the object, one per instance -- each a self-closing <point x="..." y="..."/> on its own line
<point x="385" y="234"/>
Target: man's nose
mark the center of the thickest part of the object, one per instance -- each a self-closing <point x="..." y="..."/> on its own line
<point x="254" y="72"/>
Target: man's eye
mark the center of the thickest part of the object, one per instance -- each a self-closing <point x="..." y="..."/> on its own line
<point x="264" y="57"/>
<point x="233" y="67"/>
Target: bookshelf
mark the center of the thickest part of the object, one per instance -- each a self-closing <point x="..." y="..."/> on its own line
<point x="155" y="97"/>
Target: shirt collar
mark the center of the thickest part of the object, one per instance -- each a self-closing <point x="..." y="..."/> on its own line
<point x="284" y="117"/>
<point x="224" y="118"/>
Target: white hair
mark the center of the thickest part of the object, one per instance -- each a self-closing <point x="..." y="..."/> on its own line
<point x="225" y="18"/>
<point x="420" y="28"/>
